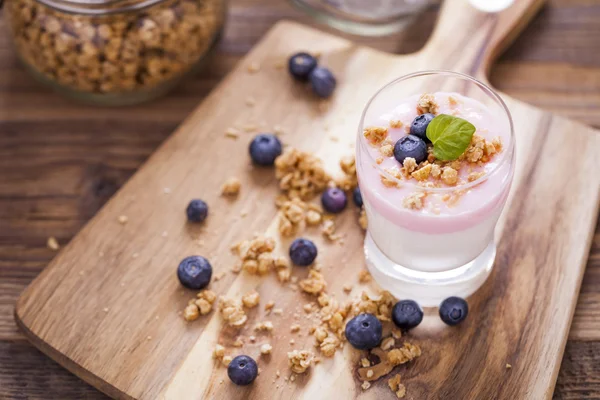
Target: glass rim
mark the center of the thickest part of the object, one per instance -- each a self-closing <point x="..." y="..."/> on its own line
<point x="506" y="155"/>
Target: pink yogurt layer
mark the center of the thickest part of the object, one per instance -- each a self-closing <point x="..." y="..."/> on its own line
<point x="476" y="204"/>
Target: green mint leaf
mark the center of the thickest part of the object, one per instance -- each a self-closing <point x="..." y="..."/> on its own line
<point x="450" y="136"/>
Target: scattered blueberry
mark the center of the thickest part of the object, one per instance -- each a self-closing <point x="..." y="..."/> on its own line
<point x="454" y="310"/>
<point x="334" y="200"/>
<point x="364" y="331"/>
<point x="301" y="65"/>
<point x="197" y="210"/>
<point x="419" y="126"/>
<point x="323" y="82"/>
<point x="303" y="252"/>
<point x="194" y="272"/>
<point x="410" y="146"/>
<point x="264" y="149"/>
<point x="357" y="197"/>
<point x="242" y="370"/>
<point x="407" y="314"/>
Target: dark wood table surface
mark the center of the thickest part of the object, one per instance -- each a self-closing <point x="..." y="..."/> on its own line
<point x="60" y="162"/>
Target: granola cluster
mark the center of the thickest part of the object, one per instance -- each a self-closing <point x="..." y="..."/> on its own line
<point x="314" y="283"/>
<point x="300" y="174"/>
<point x="348" y="181"/>
<point x="232" y="312"/>
<point x="375" y="134"/>
<point x="117" y="51"/>
<point x="231" y="187"/>
<point x="201" y="305"/>
<point x="427" y="104"/>
<point x="295" y="214"/>
<point x="300" y="360"/>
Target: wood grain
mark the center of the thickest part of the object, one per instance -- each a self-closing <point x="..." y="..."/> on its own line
<point x="78" y="312"/>
<point x="553" y="65"/>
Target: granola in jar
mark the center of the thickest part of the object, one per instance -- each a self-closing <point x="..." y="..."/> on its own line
<point x="112" y="53"/>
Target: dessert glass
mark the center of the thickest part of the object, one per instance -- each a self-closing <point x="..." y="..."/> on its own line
<point x="446" y="247"/>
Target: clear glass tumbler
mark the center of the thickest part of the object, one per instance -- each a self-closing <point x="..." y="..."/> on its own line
<point x="446" y="247"/>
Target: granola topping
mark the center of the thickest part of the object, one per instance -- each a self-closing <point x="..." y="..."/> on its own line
<point x="375" y="134"/>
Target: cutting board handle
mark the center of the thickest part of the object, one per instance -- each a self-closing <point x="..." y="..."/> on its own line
<point x="478" y="37"/>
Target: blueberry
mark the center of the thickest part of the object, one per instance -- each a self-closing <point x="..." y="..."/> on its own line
<point x="303" y="252"/>
<point x="197" y="210"/>
<point x="364" y="331"/>
<point x="301" y="64"/>
<point x="419" y="126"/>
<point x="242" y="370"/>
<point x="194" y="272"/>
<point x="407" y="314"/>
<point x="334" y="200"/>
<point x="454" y="310"/>
<point x="410" y="146"/>
<point x="357" y="197"/>
<point x="323" y="82"/>
<point x="264" y="149"/>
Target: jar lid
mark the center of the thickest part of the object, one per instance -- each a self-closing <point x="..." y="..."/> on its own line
<point x="97" y="7"/>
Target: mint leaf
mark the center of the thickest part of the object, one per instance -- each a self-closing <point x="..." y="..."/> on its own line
<point x="450" y="136"/>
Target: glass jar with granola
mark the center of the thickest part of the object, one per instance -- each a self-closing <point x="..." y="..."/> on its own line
<point x="114" y="52"/>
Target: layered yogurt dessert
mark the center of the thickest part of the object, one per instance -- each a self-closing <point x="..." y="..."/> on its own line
<point x="435" y="171"/>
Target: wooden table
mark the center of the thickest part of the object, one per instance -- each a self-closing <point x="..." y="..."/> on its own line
<point x="60" y="162"/>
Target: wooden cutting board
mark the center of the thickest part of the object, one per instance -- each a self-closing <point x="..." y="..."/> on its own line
<point x="107" y="307"/>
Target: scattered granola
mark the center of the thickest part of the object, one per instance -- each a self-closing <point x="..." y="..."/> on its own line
<point x="231" y="187"/>
<point x="219" y="352"/>
<point x="123" y="219"/>
<point x="314" y="284"/>
<point x="404" y="354"/>
<point x="266" y="349"/>
<point x="396" y="387"/>
<point x="362" y="218"/>
<point x="365" y="385"/>
<point x="300" y="360"/>
<point x="251" y="299"/>
<point x="264" y="326"/>
<point x="232" y="312"/>
<point x="364" y="276"/>
<point x="300" y="174"/>
<point x="349" y="180"/>
<point x="256" y="255"/>
<point x="202" y="305"/>
<point x="328" y="230"/>
<point x="52" y="243"/>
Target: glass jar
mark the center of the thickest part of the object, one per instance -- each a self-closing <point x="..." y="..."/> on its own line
<point x="114" y="52"/>
<point x="364" y="18"/>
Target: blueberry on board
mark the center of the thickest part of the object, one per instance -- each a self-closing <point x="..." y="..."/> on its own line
<point x="322" y="81"/>
<point x="419" y="126"/>
<point x="364" y="331"/>
<point x="334" y="200"/>
<point x="407" y="314"/>
<point x="454" y="310"/>
<point x="242" y="370"/>
<point x="301" y="65"/>
<point x="194" y="272"/>
<point x="264" y="149"/>
<point x="410" y="146"/>
<point x="357" y="197"/>
<point x="197" y="210"/>
<point x="303" y="252"/>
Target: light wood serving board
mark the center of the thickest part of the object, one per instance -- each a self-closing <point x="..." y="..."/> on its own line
<point x="107" y="306"/>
